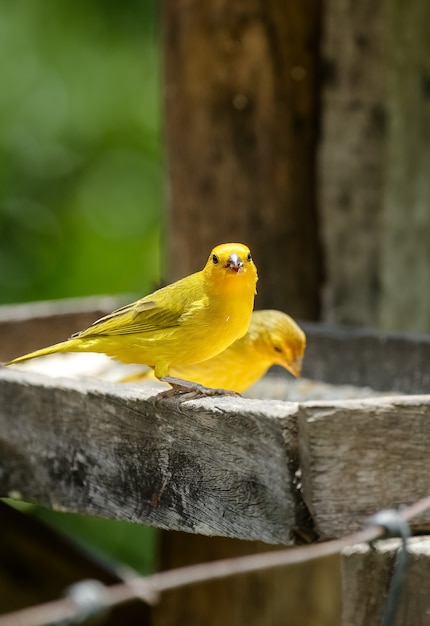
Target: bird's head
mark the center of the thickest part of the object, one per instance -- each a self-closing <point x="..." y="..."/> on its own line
<point x="281" y="339"/>
<point x="230" y="262"/>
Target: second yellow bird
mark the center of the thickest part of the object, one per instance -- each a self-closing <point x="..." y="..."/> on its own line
<point x="273" y="338"/>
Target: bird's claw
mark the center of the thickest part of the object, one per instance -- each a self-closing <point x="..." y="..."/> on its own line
<point x="188" y="390"/>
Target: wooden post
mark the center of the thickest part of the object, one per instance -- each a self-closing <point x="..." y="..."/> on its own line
<point x="241" y="109"/>
<point x="352" y="157"/>
<point x="406" y="236"/>
<point x="366" y="575"/>
<point x="374" y="184"/>
<point x="307" y="593"/>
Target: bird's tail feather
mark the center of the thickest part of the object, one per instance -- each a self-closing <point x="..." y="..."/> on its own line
<point x="71" y="345"/>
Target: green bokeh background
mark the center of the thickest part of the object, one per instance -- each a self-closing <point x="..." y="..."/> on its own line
<point x="81" y="195"/>
<point x="81" y="199"/>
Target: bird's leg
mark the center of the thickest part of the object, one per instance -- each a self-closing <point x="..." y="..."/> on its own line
<point x="191" y="390"/>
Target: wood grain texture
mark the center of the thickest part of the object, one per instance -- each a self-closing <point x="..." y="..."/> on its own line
<point x="351" y="157"/>
<point x="405" y="249"/>
<point x="223" y="466"/>
<point x="360" y="456"/>
<point x="308" y="593"/>
<point x="366" y="575"/>
<point x="241" y="104"/>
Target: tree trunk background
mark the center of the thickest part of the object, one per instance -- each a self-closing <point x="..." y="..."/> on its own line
<point x="241" y="103"/>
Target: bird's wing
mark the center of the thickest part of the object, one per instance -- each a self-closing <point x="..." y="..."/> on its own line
<point x="142" y="316"/>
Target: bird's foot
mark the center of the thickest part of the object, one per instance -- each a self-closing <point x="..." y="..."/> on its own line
<point x="188" y="390"/>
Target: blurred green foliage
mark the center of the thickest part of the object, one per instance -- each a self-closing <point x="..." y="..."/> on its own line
<point x="114" y="541"/>
<point x="119" y="542"/>
<point x="80" y="155"/>
<point x="81" y="201"/>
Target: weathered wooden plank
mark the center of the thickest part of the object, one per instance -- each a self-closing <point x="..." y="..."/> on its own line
<point x="360" y="456"/>
<point x="366" y="575"/>
<point x="223" y="466"/>
<point x="366" y="357"/>
<point x="26" y="327"/>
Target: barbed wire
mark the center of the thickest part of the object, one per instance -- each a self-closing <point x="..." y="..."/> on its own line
<point x="90" y="598"/>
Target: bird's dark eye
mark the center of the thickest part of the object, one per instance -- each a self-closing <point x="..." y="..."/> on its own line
<point x="215" y="259"/>
<point x="249" y="257"/>
<point x="277" y="349"/>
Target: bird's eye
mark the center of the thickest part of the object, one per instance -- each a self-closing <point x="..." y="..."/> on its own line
<point x="249" y="257"/>
<point x="215" y="259"/>
<point x="277" y="349"/>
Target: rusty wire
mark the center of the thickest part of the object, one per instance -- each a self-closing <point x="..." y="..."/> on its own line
<point x="87" y="599"/>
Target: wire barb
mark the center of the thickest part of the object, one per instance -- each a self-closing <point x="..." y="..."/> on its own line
<point x="91" y="598"/>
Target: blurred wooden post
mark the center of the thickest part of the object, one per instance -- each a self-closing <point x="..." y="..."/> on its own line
<point x="374" y="164"/>
<point x="366" y="574"/>
<point x="351" y="158"/>
<point x="297" y="595"/>
<point x="405" y="244"/>
<point x="241" y="107"/>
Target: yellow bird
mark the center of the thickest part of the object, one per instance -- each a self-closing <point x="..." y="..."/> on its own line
<point x="273" y="338"/>
<point x="186" y="322"/>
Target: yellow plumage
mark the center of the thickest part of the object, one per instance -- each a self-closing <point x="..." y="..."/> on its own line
<point x="273" y="338"/>
<point x="186" y="322"/>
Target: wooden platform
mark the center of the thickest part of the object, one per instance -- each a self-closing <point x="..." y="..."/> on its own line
<point x="249" y="468"/>
<point x="223" y="466"/>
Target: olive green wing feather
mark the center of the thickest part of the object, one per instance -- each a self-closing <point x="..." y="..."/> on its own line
<point x="143" y="316"/>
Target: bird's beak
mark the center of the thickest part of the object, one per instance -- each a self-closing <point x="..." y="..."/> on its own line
<point x="295" y="367"/>
<point x="234" y="263"/>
